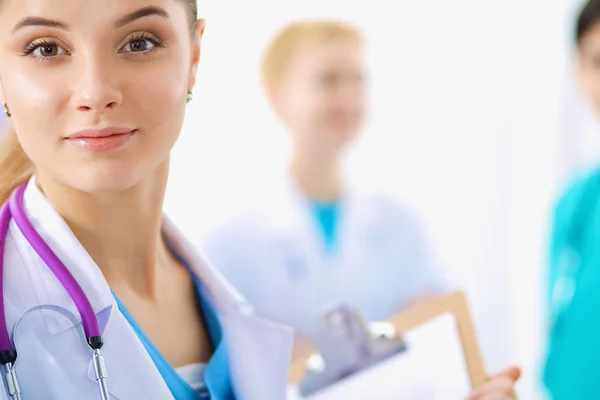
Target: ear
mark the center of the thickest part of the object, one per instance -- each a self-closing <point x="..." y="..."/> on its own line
<point x="196" y="51"/>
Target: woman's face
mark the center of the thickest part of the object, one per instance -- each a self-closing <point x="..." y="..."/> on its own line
<point x="97" y="88"/>
<point x="321" y="97"/>
<point x="588" y="65"/>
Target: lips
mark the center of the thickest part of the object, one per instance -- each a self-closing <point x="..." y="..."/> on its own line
<point x="105" y="139"/>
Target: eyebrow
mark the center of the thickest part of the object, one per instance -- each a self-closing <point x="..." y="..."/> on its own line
<point x="141" y="13"/>
<point x="38" y="21"/>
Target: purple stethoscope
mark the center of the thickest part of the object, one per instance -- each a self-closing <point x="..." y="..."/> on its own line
<point x="13" y="208"/>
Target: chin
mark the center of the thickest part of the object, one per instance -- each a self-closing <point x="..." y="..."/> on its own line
<point x="105" y="180"/>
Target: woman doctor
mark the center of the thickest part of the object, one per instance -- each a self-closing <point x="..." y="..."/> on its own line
<point x="96" y="93"/>
<point x="574" y="260"/>
<point x="319" y="240"/>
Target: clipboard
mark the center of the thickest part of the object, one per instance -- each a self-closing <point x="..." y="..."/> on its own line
<point x="454" y="304"/>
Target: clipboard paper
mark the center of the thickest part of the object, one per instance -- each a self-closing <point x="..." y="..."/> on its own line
<point x="412" y="318"/>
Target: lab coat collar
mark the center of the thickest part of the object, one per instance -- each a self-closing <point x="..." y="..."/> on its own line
<point x="219" y="292"/>
<point x="63" y="242"/>
<point x="259" y="350"/>
<point x="291" y="215"/>
<point x="129" y="366"/>
<point x="58" y="235"/>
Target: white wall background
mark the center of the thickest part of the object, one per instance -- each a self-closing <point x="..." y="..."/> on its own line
<point x="466" y="101"/>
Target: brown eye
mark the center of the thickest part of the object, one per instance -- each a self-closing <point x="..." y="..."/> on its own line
<point x="45" y="50"/>
<point x="49" y="50"/>
<point x="139" y="45"/>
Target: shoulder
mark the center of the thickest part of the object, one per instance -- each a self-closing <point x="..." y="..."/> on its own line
<point x="389" y="210"/>
<point x="574" y="218"/>
<point x="240" y="238"/>
<point x="262" y="215"/>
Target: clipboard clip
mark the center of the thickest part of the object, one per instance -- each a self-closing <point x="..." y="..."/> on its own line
<point x="346" y="346"/>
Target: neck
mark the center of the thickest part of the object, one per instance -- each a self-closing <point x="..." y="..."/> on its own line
<point x="121" y="231"/>
<point x="319" y="178"/>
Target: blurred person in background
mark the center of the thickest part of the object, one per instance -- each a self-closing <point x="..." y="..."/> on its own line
<point x="320" y="240"/>
<point x="572" y="362"/>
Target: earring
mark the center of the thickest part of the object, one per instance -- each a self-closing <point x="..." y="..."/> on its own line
<point x="190" y="96"/>
<point x="7" y="111"/>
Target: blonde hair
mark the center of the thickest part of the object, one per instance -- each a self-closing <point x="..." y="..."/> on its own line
<point x="283" y="46"/>
<point x="15" y="166"/>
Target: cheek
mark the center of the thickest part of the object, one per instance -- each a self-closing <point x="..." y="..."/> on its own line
<point x="43" y="102"/>
<point x="589" y="84"/>
<point x="33" y="99"/>
<point x="157" y="99"/>
<point x="315" y="103"/>
<point x="592" y="92"/>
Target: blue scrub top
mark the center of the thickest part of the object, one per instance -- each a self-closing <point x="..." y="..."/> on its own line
<point x="216" y="374"/>
<point x="573" y="359"/>
<point x="327" y="215"/>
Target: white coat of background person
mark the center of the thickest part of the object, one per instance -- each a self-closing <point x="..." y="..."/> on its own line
<point x="96" y="94"/>
<point x="319" y="240"/>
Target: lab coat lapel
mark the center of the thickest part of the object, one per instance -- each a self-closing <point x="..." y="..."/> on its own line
<point x="63" y="242"/>
<point x="131" y="372"/>
<point x="301" y="220"/>
<point x="350" y="230"/>
<point x="294" y="233"/>
<point x="259" y="356"/>
<point x="259" y="351"/>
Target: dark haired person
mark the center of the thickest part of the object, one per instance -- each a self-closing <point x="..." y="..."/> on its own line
<point x="573" y="358"/>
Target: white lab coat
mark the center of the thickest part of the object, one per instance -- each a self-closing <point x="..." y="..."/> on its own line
<point x="273" y="254"/>
<point x="259" y="350"/>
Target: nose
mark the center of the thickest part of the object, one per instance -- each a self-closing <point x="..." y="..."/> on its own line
<point x="96" y="87"/>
